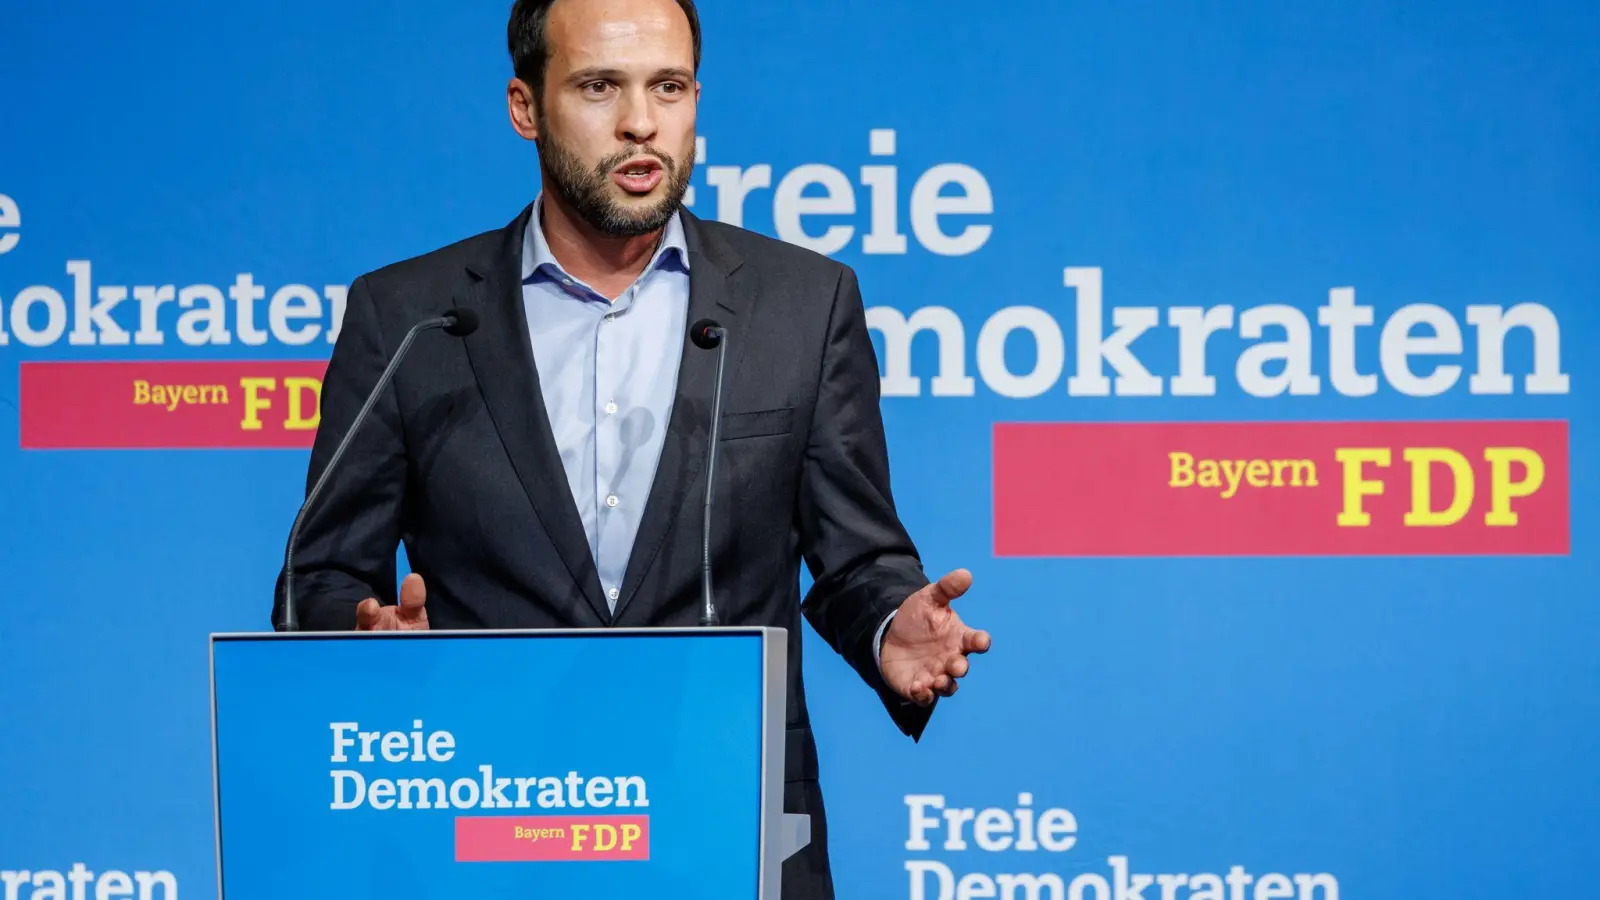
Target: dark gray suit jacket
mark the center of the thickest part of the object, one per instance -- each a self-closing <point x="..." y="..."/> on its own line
<point x="458" y="461"/>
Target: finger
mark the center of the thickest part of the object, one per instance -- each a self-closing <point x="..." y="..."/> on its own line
<point x="417" y="621"/>
<point x="941" y="683"/>
<point x="975" y="641"/>
<point x="413" y="594"/>
<point x="951" y="690"/>
<point x="368" y="612"/>
<point x="952" y="586"/>
<point x="957" y="666"/>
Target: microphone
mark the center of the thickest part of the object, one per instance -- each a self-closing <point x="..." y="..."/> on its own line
<point x="708" y="334"/>
<point x="457" y="323"/>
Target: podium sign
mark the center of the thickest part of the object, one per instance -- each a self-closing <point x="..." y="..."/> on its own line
<point x="584" y="763"/>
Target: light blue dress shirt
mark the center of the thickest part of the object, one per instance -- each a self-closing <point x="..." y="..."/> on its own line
<point x="608" y="371"/>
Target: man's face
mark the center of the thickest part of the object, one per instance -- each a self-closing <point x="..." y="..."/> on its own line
<point x="616" y="132"/>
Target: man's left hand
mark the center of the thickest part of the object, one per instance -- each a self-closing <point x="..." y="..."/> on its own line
<point x="925" y="649"/>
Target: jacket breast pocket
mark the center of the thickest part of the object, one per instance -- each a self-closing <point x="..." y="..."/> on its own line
<point x="760" y="423"/>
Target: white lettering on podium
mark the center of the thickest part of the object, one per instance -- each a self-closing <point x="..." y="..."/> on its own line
<point x="81" y="883"/>
<point x="340" y="778"/>
<point x="355" y="788"/>
<point x="396" y="746"/>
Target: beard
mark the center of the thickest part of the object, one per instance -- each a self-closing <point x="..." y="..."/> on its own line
<point x="586" y="189"/>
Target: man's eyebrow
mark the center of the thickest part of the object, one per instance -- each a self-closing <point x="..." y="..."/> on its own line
<point x="601" y="72"/>
<point x="594" y="72"/>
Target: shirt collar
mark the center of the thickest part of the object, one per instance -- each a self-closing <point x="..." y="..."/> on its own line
<point x="537" y="260"/>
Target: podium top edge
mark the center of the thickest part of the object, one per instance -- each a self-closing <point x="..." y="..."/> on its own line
<point x="721" y="630"/>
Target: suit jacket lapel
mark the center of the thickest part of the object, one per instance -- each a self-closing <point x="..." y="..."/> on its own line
<point x="502" y="360"/>
<point x="718" y="290"/>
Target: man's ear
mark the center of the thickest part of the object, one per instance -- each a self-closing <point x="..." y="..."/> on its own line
<point x="519" y="105"/>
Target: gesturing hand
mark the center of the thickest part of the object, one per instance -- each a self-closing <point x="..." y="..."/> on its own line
<point x="410" y="615"/>
<point x="926" y="647"/>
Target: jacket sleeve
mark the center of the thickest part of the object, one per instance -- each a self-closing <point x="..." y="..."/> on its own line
<point x="349" y="537"/>
<point x="863" y="562"/>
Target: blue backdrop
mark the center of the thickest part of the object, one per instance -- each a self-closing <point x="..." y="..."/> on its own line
<point x="1382" y="726"/>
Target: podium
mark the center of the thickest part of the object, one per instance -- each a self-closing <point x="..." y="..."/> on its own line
<point x="595" y="763"/>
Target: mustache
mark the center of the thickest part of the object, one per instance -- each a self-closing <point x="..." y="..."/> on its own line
<point x="616" y="159"/>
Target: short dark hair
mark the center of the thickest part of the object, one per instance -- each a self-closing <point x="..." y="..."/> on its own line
<point x="529" y="44"/>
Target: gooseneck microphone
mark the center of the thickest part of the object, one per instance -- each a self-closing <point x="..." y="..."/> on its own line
<point x="456" y="322"/>
<point x="708" y="334"/>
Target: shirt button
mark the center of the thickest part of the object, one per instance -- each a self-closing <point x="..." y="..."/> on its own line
<point x="613" y="593"/>
<point x="611" y="317"/>
<point x="611" y="409"/>
<point x="612" y="500"/>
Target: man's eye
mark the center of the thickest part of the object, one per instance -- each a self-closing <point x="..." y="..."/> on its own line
<point x="596" y="87"/>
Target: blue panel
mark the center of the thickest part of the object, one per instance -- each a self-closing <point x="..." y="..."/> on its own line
<point x="665" y="727"/>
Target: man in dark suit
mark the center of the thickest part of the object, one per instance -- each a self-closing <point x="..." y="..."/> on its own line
<point x="548" y="470"/>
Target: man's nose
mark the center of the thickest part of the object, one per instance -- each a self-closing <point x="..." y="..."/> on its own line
<point x="637" y="120"/>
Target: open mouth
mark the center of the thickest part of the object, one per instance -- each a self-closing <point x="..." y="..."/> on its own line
<point x="638" y="176"/>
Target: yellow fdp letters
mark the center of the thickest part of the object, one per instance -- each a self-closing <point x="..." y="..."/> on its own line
<point x="605" y="838"/>
<point x="1503" y="487"/>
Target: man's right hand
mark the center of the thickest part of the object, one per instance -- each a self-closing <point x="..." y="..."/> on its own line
<point x="410" y="615"/>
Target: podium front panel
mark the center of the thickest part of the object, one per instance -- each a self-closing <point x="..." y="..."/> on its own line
<point x="494" y="764"/>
